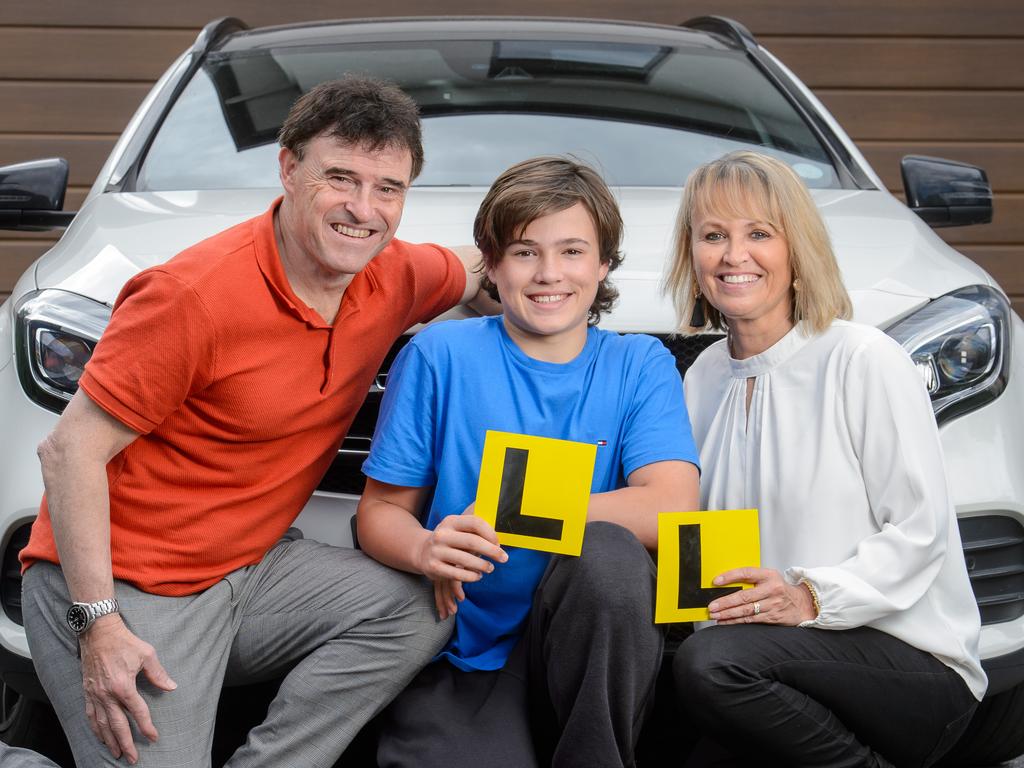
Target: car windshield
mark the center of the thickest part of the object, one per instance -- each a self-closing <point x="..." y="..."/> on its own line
<point x="644" y="114"/>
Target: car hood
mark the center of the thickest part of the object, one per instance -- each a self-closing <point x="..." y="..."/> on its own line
<point x="891" y="261"/>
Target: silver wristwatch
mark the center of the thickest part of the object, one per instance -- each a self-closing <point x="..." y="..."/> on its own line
<point x="80" y="616"/>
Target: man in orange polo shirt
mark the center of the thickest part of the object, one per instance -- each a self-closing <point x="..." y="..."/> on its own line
<point x="222" y="387"/>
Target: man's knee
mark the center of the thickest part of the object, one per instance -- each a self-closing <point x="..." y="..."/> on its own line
<point x="11" y="757"/>
<point x="424" y="611"/>
<point x="414" y="616"/>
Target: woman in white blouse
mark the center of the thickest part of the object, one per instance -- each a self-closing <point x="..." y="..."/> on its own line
<point x="857" y="644"/>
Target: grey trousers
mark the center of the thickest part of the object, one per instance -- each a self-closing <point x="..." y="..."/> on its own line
<point x="12" y="757"/>
<point x="347" y="633"/>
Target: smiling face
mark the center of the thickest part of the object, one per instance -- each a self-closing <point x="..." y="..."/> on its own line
<point x="742" y="266"/>
<point x="342" y="205"/>
<point x="547" y="280"/>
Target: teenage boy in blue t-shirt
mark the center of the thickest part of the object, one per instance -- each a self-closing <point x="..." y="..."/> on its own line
<point x="552" y="660"/>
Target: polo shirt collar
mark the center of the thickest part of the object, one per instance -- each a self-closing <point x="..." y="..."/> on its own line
<point x="269" y="260"/>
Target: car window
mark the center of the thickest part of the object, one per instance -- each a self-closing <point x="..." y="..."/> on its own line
<point x="644" y="114"/>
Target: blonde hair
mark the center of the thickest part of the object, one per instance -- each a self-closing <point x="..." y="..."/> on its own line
<point x="747" y="184"/>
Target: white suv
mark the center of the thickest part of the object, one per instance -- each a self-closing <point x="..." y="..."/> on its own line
<point x="645" y="104"/>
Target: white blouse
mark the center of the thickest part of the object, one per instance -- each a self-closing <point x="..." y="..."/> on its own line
<point x="840" y="454"/>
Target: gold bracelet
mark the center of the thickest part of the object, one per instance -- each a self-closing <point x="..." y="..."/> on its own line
<point x="814" y="596"/>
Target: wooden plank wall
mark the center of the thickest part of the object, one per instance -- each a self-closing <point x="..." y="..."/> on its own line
<point x="938" y="77"/>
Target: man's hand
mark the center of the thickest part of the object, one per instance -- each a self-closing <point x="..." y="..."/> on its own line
<point x="772" y="600"/>
<point x="112" y="658"/>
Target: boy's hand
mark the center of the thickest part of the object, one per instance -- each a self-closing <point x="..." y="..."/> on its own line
<point x="456" y="549"/>
<point x="448" y="593"/>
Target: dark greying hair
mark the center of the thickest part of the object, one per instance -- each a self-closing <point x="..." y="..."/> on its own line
<point x="359" y="110"/>
<point x="539" y="187"/>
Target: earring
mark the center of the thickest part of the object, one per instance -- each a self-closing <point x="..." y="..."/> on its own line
<point x="796" y="283"/>
<point x="698" y="319"/>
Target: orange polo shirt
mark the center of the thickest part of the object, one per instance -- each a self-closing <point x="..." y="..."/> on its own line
<point x="241" y="395"/>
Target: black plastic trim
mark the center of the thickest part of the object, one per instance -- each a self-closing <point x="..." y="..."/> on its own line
<point x="946" y="193"/>
<point x="32" y="195"/>
<point x="1004" y="672"/>
<point x="993" y="547"/>
<point x="19" y="673"/>
<point x="723" y="26"/>
<point x="10" y="572"/>
<point x="35" y="221"/>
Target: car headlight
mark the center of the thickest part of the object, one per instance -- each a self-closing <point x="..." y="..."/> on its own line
<point x="960" y="344"/>
<point x="55" y="335"/>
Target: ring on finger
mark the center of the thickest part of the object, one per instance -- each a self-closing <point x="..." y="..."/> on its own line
<point x="757" y="608"/>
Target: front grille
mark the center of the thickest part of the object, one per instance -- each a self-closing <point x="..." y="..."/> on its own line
<point x="994" y="552"/>
<point x="685" y="349"/>
<point x="345" y="476"/>
<point x="10" y="574"/>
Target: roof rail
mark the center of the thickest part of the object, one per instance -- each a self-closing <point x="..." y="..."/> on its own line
<point x="215" y="31"/>
<point x="726" y="27"/>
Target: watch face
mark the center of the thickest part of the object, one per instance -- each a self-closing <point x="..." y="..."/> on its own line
<point x="78" y="619"/>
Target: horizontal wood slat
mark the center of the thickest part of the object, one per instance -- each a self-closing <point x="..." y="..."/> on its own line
<point x="1004" y="262"/>
<point x="1004" y="163"/>
<point x="851" y="17"/>
<point x="15" y="257"/>
<point x="66" y="107"/>
<point x="85" y="154"/>
<point x="928" y="115"/>
<point x="89" y="54"/>
<point x="1007" y="225"/>
<point x="901" y="63"/>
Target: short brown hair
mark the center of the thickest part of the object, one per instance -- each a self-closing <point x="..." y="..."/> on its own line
<point x="539" y="187"/>
<point x="359" y="110"/>
<point x="743" y="183"/>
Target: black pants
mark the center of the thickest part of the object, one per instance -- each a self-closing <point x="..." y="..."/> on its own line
<point x="790" y="696"/>
<point x="575" y="689"/>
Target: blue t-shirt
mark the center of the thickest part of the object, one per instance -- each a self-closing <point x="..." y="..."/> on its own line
<point x="458" y="379"/>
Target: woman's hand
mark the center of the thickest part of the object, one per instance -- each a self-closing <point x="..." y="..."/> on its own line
<point x="772" y="600"/>
<point x="455" y="552"/>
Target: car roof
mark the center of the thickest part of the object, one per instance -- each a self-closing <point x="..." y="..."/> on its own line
<point x="466" y="27"/>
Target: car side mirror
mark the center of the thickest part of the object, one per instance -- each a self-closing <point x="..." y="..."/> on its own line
<point x="945" y="193"/>
<point x="32" y="195"/>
